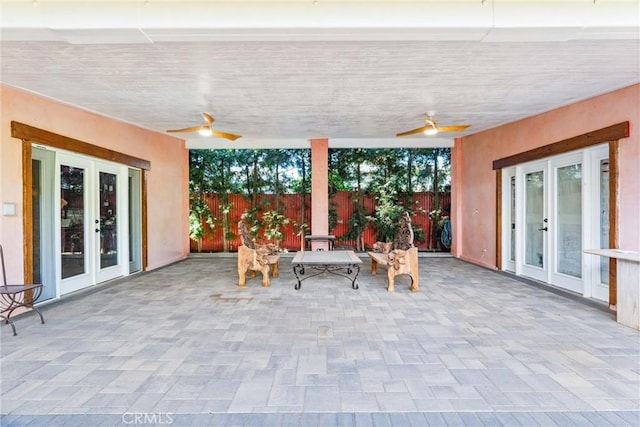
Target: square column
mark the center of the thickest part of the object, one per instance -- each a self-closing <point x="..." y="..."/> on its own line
<point x="320" y="191"/>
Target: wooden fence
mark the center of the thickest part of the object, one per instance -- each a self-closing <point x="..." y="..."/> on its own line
<point x="292" y="204"/>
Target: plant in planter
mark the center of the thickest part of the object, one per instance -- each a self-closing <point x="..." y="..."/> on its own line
<point x="273" y="221"/>
<point x="255" y="223"/>
<point x="438" y="221"/>
<point x="387" y="214"/>
<point x="199" y="216"/>
<point x="301" y="230"/>
<point x="227" y="235"/>
<point x="357" y="224"/>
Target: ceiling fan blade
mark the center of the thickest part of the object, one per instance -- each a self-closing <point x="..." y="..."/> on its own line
<point x="457" y="128"/>
<point x="190" y="129"/>
<point x="208" y="117"/>
<point x="414" y="131"/>
<point x="225" y="135"/>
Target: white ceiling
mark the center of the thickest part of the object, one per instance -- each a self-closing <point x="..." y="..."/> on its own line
<point x="280" y="73"/>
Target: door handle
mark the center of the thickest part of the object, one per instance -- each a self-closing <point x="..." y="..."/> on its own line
<point x="543" y="229"/>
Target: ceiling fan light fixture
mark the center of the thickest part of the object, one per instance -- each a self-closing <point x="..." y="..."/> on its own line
<point x="205" y="132"/>
<point x="431" y="128"/>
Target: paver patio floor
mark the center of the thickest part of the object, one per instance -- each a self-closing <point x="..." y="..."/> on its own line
<point x="184" y="345"/>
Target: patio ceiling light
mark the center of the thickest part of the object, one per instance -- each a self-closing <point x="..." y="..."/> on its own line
<point x="431" y="128"/>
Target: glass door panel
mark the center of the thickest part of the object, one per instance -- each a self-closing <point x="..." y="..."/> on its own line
<point x="36" y="212"/>
<point x="42" y="221"/>
<point x="134" y="217"/>
<point x="535" y="221"/>
<point x="44" y="215"/>
<point x="108" y="220"/>
<point x="72" y="221"/>
<point x="512" y="249"/>
<point x="599" y="211"/>
<point x="566" y="223"/>
<point x="569" y="220"/>
<point x="509" y="220"/>
<point x="604" y="218"/>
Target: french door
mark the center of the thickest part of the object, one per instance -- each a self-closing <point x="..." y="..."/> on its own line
<point x="598" y="267"/>
<point x="536" y="222"/>
<point x="92" y="223"/>
<point x="548" y="220"/>
<point x="43" y="220"/>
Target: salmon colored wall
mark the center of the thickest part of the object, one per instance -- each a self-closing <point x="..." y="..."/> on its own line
<point x="475" y="200"/>
<point x="167" y="190"/>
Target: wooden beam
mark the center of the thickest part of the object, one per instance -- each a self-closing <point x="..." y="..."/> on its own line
<point x="27" y="218"/>
<point x="36" y="135"/>
<point x="614" y="186"/>
<point x="600" y="136"/>
<point x="499" y="219"/>
<point x="144" y="214"/>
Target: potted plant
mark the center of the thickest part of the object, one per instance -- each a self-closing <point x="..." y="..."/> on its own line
<point x="273" y="221"/>
<point x="199" y="215"/>
<point x="302" y="230"/>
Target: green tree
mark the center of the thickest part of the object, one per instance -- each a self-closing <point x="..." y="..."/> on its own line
<point x="387" y="213"/>
<point x="350" y="164"/>
<point x="301" y="185"/>
<point x="201" y="220"/>
<point x="273" y="221"/>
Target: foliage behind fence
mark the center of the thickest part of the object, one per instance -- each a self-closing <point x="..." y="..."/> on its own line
<point x="422" y="204"/>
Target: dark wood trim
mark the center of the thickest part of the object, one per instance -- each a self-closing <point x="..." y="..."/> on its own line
<point x="499" y="219"/>
<point x="33" y="134"/>
<point x="614" y="186"/>
<point x="611" y="133"/>
<point x="144" y="214"/>
<point x="27" y="217"/>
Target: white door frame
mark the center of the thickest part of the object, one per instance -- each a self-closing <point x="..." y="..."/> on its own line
<point x="79" y="281"/>
<point x="93" y="274"/>
<point x="135" y="220"/>
<point x="589" y="285"/>
<point x="564" y="280"/>
<point x="122" y="229"/>
<point x="595" y="287"/>
<point x="508" y="253"/>
<point x="530" y="270"/>
<point x="47" y="224"/>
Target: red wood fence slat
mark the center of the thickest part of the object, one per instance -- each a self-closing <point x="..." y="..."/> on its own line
<point x="292" y="204"/>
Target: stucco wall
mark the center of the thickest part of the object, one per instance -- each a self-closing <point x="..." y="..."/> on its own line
<point x="167" y="190"/>
<point x="474" y="210"/>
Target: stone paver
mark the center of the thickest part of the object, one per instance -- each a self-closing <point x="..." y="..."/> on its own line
<point x="184" y="345"/>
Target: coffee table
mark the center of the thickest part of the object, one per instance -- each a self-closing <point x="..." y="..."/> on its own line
<point x="341" y="263"/>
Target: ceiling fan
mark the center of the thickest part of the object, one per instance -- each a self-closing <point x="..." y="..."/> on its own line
<point x="431" y="128"/>
<point x="207" y="129"/>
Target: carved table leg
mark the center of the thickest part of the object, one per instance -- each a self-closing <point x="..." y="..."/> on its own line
<point x="242" y="275"/>
<point x="391" y="277"/>
<point x="265" y="275"/>
<point x="374" y="267"/>
<point x="415" y="281"/>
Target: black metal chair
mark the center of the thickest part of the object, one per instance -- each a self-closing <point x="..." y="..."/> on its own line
<point x="16" y="296"/>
